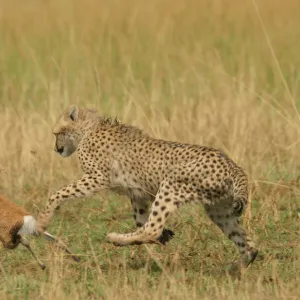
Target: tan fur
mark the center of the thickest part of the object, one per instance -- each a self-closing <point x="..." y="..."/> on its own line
<point x="157" y="175"/>
<point x="11" y="220"/>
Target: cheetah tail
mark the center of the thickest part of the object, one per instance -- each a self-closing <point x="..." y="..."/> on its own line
<point x="239" y="206"/>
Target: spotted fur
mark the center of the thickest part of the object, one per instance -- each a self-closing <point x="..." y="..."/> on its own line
<point x="158" y="176"/>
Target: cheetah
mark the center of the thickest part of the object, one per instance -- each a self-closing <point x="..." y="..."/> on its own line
<point x="158" y="176"/>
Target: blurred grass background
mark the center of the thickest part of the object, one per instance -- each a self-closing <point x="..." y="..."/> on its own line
<point x="214" y="72"/>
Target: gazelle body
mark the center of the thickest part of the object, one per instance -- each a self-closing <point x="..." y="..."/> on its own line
<point x="15" y="223"/>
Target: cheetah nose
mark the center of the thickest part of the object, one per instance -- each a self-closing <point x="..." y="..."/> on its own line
<point x="59" y="150"/>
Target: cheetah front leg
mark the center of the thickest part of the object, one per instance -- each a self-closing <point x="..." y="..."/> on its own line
<point x="87" y="186"/>
<point x="166" y="201"/>
<point x="141" y="214"/>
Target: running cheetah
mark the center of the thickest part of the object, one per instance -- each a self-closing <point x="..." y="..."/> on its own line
<point x="158" y="176"/>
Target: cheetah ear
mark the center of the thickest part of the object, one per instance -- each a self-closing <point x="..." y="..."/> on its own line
<point x="73" y="112"/>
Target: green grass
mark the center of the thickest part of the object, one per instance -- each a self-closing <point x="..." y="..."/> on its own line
<point x="197" y="258"/>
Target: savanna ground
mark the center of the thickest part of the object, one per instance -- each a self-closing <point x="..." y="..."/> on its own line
<point x="214" y="72"/>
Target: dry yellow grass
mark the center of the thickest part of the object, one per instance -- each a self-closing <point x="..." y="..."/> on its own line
<point x="219" y="73"/>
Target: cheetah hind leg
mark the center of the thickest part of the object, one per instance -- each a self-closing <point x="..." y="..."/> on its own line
<point x="230" y="226"/>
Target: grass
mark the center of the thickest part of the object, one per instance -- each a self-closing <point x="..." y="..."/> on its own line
<point x="219" y="73"/>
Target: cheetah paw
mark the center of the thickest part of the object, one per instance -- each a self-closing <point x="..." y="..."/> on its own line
<point x="119" y="240"/>
<point x="166" y="236"/>
<point x="115" y="238"/>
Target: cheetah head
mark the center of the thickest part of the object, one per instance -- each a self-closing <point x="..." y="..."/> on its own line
<point x="67" y="131"/>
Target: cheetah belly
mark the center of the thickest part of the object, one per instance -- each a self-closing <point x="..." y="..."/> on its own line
<point x="127" y="187"/>
<point x="124" y="183"/>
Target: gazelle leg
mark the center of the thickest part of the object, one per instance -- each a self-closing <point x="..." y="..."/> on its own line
<point x="26" y="243"/>
<point x="62" y="245"/>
